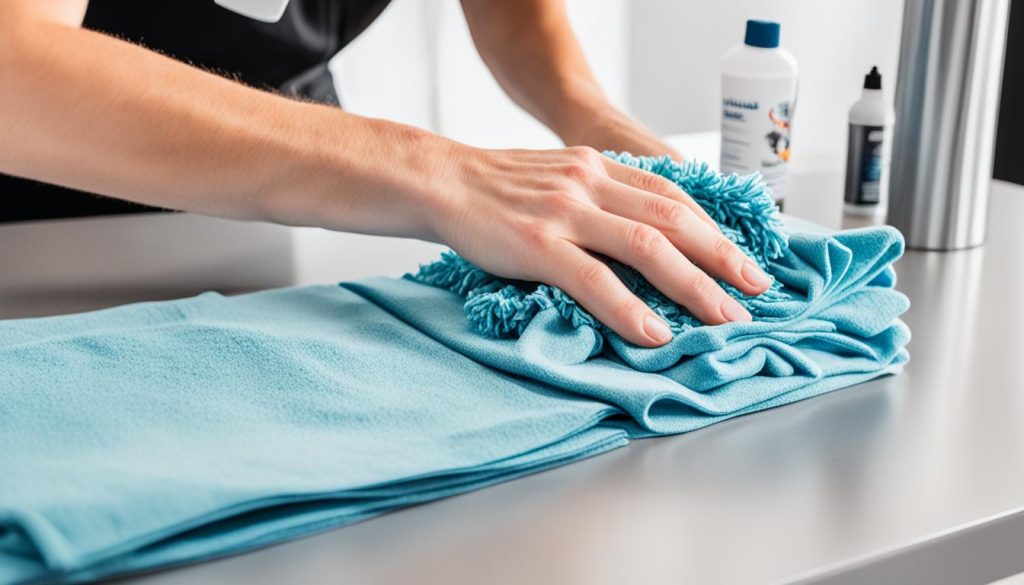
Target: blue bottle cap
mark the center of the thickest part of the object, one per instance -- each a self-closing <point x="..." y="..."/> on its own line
<point x="762" y="33"/>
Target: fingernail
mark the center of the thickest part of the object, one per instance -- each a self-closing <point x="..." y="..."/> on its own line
<point x="657" y="329"/>
<point x="733" y="311"/>
<point x="754" y="276"/>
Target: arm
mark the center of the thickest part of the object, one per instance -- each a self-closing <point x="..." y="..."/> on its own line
<point x="530" y="48"/>
<point x="86" y="110"/>
<point x="92" y="112"/>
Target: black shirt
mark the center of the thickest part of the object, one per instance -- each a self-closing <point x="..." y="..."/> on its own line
<point x="289" y="56"/>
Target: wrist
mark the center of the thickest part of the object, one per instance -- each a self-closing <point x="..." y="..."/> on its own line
<point x="600" y="125"/>
<point x="579" y="107"/>
<point x="349" y="173"/>
<point x="589" y="119"/>
<point x="430" y="182"/>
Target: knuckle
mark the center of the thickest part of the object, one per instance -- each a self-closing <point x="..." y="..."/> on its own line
<point x="724" y="250"/>
<point x="586" y="154"/>
<point x="643" y="241"/>
<point x="578" y="172"/>
<point x="535" y="233"/>
<point x="700" y="285"/>
<point x="591" y="275"/>
<point x="558" y="202"/>
<point x="667" y="211"/>
<point x="625" y="311"/>
<point x="654" y="183"/>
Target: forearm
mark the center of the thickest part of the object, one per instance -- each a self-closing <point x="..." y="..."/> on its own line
<point x="88" y="111"/>
<point x="531" y="50"/>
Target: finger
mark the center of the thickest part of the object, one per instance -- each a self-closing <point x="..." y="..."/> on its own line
<point x="707" y="247"/>
<point x="648" y="250"/>
<point x="652" y="183"/>
<point x="599" y="291"/>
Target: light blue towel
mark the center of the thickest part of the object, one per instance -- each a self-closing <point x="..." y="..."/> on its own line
<point x="162" y="433"/>
<point x="837" y="326"/>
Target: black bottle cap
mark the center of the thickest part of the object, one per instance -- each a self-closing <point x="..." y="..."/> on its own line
<point x="873" y="80"/>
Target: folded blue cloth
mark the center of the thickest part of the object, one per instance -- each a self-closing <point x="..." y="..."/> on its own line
<point x="834" y="324"/>
<point x="156" y="434"/>
<point x="159" y="433"/>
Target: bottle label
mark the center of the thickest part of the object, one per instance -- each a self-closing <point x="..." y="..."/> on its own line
<point x="756" y="116"/>
<point x="865" y="163"/>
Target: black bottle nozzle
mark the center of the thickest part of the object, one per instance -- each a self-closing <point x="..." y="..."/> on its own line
<point x="873" y="80"/>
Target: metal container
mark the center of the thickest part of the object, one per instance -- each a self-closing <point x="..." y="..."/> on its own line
<point x="947" y="99"/>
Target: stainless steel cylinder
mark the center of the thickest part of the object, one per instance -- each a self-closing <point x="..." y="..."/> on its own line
<point x="947" y="99"/>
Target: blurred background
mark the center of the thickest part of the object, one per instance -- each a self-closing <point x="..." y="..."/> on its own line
<point x="658" y="59"/>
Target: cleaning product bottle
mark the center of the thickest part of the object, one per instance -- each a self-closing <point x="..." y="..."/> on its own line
<point x="867" y="154"/>
<point x="759" y="80"/>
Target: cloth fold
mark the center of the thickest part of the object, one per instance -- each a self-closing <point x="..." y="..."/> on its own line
<point x="837" y="326"/>
<point x="157" y="434"/>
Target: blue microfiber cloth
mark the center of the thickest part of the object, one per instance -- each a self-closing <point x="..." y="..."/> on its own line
<point x="159" y="433"/>
<point x="163" y="433"/>
<point x="839" y="285"/>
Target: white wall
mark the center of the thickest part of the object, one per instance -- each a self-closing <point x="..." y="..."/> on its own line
<point x="390" y="71"/>
<point x="473" y="109"/>
<point x="676" y="46"/>
<point x="656" y="58"/>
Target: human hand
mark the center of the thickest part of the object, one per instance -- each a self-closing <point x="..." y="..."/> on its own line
<point x="541" y="215"/>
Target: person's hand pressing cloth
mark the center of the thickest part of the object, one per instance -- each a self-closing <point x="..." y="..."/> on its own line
<point x="177" y="431"/>
<point x="826" y="317"/>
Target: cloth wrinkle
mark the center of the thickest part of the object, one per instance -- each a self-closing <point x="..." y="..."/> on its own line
<point x="157" y="434"/>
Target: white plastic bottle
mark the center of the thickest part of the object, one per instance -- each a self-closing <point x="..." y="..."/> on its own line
<point x="867" y="155"/>
<point x="759" y="81"/>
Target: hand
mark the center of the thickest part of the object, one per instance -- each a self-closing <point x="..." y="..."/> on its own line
<point x="539" y="215"/>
